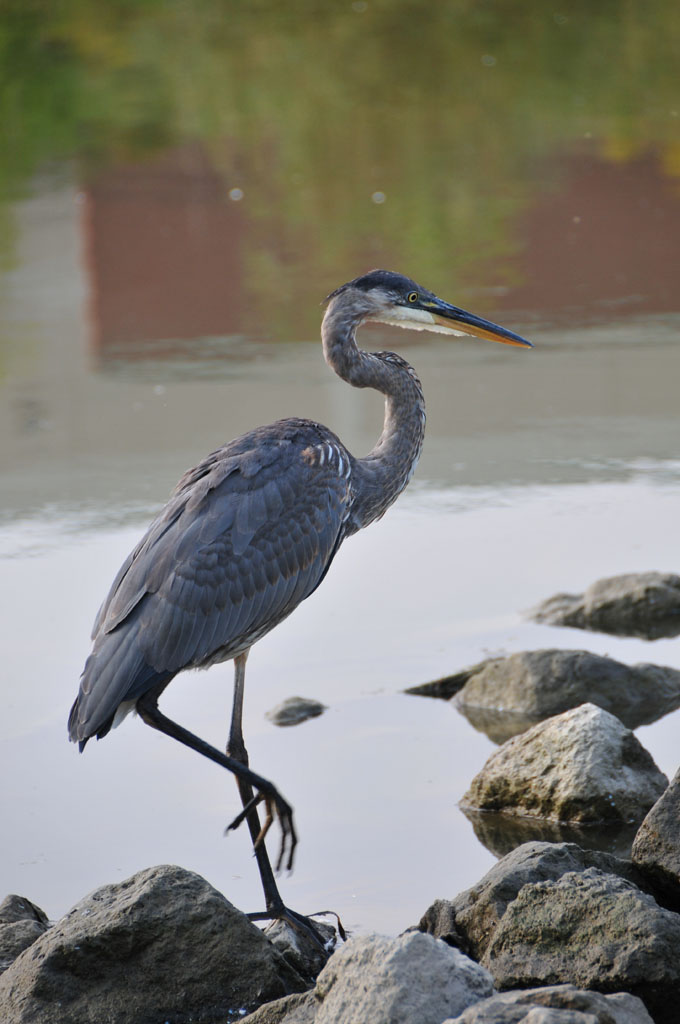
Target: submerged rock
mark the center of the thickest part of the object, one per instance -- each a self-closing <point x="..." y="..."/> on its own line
<point x="21" y="923"/>
<point x="469" y="921"/>
<point x="534" y="685"/>
<point x="294" y="710"/>
<point x="582" y="766"/>
<point x="643" y="604"/>
<point x="162" y="945"/>
<point x="593" y="930"/>
<point x="656" y="850"/>
<point x="572" y="1005"/>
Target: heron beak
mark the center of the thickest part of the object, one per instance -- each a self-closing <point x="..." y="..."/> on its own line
<point x="458" y="321"/>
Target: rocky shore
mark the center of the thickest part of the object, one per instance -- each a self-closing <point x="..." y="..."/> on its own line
<point x="553" y="933"/>
<point x="556" y="933"/>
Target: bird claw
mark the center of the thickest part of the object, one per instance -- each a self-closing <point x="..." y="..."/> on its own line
<point x="303" y="924"/>
<point x="275" y="806"/>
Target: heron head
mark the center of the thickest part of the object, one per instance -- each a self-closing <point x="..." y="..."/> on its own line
<point x="382" y="296"/>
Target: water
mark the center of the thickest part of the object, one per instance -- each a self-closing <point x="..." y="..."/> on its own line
<point x="543" y="471"/>
<point x="175" y="200"/>
<point x="375" y="781"/>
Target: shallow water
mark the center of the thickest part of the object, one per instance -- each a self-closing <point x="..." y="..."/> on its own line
<point x="543" y="471"/>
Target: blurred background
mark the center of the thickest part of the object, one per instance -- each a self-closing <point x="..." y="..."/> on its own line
<point x="181" y="183"/>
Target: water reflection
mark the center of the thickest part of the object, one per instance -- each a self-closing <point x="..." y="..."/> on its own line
<point x="230" y="158"/>
<point x="604" y="240"/>
<point x="164" y="254"/>
<point x="501" y="833"/>
<point x="500" y="726"/>
<point x="168" y="223"/>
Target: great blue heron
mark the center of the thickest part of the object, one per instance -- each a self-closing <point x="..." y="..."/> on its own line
<point x="249" y="533"/>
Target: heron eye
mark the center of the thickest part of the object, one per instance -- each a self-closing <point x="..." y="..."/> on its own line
<point x="413" y="297"/>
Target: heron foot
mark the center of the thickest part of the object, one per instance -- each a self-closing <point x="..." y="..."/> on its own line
<point x="276" y="807"/>
<point x="303" y="925"/>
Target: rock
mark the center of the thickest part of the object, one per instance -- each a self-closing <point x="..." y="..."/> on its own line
<point x="656" y="849"/>
<point x="294" y="710"/>
<point x="643" y="604"/>
<point x="162" y="945"/>
<point x="21" y="923"/>
<point x="565" y="1004"/>
<point x="386" y="981"/>
<point x="501" y="833"/>
<point x="18" y="908"/>
<point x="534" y="685"/>
<point x="582" y="766"/>
<point x="397" y="981"/>
<point x="300" y="950"/>
<point x="295" y="1009"/>
<point x="592" y="930"/>
<point x="472" y="917"/>
<point x="439" y="920"/>
<point x="447" y="686"/>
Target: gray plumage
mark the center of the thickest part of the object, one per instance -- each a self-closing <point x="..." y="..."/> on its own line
<point x="246" y="536"/>
<point x="250" y="532"/>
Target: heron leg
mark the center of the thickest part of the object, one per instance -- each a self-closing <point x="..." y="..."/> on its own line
<point x="236" y="749"/>
<point x="147" y="707"/>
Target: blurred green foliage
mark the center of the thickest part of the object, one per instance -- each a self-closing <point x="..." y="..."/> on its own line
<point x="451" y="110"/>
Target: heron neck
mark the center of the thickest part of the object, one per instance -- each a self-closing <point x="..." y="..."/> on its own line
<point x="380" y="477"/>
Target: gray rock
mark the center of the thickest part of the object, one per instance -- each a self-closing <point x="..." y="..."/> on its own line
<point x="439" y="920"/>
<point x="162" y="945"/>
<point x="533" y="685"/>
<point x="397" y="981"/>
<point x="656" y="849"/>
<point x="294" y="1009"/>
<point x="582" y="766"/>
<point x="294" y="710"/>
<point x="469" y="920"/>
<point x="21" y="923"/>
<point x="18" y="908"/>
<point x="386" y="981"/>
<point x="300" y="950"/>
<point x="561" y="1004"/>
<point x="592" y="930"/>
<point x="643" y="604"/>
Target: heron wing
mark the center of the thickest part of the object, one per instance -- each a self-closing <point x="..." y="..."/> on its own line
<point x="246" y="536"/>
